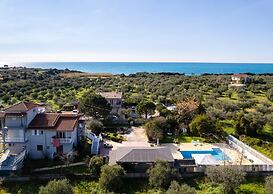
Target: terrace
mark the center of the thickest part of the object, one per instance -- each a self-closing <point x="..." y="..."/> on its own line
<point x="232" y="153"/>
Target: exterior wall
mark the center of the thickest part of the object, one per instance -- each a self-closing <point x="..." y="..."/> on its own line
<point x="41" y="139"/>
<point x="31" y="114"/>
<point x="45" y="140"/>
<point x="15" y="121"/>
<point x="116" y="104"/>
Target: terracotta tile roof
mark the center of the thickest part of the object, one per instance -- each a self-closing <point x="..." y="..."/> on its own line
<point x="47" y="120"/>
<point x="55" y="121"/>
<point x="66" y="123"/>
<point x="21" y="107"/>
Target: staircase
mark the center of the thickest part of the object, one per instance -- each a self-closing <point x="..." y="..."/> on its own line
<point x="95" y="142"/>
<point x="13" y="162"/>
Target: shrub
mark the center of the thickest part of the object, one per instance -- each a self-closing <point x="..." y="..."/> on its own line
<point x="110" y="178"/>
<point x="160" y="175"/>
<point x="175" y="188"/>
<point x="269" y="185"/>
<point x="57" y="187"/>
<point x="95" y="164"/>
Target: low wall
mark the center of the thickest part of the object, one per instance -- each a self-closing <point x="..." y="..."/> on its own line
<point x="266" y="164"/>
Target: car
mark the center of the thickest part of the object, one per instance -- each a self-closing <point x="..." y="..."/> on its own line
<point x="107" y="145"/>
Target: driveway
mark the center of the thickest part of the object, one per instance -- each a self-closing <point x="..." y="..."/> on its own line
<point x="136" y="138"/>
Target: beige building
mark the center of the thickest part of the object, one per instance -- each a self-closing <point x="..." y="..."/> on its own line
<point x="113" y="98"/>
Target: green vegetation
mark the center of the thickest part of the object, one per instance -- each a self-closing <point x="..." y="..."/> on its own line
<point x="160" y="175"/>
<point x="94" y="105"/>
<point x="175" y="188"/>
<point x="145" y="107"/>
<point x="95" y="164"/>
<point x="110" y="178"/>
<point x="229" y="176"/>
<point x="205" y="105"/>
<point x="138" y="186"/>
<point x="57" y="187"/>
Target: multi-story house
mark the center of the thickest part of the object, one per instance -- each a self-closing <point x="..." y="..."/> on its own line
<point x="114" y="99"/>
<point x="28" y="131"/>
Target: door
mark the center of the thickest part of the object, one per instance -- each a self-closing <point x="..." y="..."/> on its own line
<point x="60" y="150"/>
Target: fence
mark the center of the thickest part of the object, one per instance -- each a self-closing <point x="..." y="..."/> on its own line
<point x="266" y="163"/>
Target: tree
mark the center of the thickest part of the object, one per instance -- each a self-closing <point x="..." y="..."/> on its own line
<point x="145" y="107"/>
<point x="229" y="176"/>
<point x="57" y="187"/>
<point x="270" y="94"/>
<point x="188" y="108"/>
<point x="110" y="178"/>
<point x="95" y="164"/>
<point x="202" y="125"/>
<point x="155" y="128"/>
<point x="249" y="124"/>
<point x="269" y="185"/>
<point x="175" y="188"/>
<point x="160" y="175"/>
<point x="95" y="126"/>
<point x="95" y="105"/>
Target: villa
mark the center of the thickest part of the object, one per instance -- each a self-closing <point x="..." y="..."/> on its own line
<point x="239" y="79"/>
<point x="27" y="130"/>
<point x="114" y="99"/>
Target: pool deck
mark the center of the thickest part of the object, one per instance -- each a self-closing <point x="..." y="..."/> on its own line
<point x="235" y="156"/>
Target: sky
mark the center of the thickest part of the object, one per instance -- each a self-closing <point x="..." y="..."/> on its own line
<point x="136" y="30"/>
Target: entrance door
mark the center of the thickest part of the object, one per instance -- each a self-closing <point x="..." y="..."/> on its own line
<point x="60" y="150"/>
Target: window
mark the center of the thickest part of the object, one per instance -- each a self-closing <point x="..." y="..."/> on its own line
<point x="39" y="147"/>
<point x="35" y="132"/>
<point x="61" y="135"/>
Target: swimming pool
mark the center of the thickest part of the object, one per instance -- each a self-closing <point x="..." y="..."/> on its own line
<point x="217" y="154"/>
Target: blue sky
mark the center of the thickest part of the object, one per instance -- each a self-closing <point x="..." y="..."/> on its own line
<point x="136" y="30"/>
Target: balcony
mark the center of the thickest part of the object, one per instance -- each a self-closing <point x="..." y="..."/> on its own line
<point x="14" y="135"/>
<point x="62" y="140"/>
<point x="15" y="139"/>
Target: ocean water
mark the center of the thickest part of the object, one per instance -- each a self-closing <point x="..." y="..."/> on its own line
<point x="156" y="67"/>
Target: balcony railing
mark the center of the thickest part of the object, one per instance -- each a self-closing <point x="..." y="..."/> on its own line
<point x="63" y="140"/>
<point x="15" y="139"/>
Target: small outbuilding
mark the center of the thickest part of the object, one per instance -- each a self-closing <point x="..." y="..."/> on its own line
<point x="139" y="159"/>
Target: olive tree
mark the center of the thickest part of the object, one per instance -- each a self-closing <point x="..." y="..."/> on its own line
<point x="160" y="175"/>
<point x="110" y="178"/>
<point x="155" y="128"/>
<point x="229" y="176"/>
<point x="95" y="126"/>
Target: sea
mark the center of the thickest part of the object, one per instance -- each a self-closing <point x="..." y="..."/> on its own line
<point x="188" y="68"/>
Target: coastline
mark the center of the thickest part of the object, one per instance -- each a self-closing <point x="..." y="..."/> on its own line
<point x="187" y="68"/>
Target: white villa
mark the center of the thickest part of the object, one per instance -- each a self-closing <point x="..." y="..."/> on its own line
<point x="27" y="130"/>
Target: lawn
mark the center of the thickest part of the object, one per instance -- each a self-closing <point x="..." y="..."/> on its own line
<point x="182" y="138"/>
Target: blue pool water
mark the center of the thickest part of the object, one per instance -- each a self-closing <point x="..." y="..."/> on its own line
<point x="217" y="154"/>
